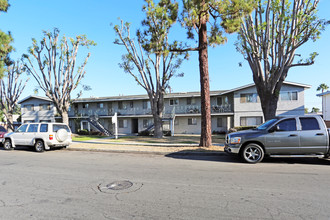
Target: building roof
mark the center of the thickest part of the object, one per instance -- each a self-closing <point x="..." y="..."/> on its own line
<point x="174" y="95"/>
<point x="145" y="97"/>
<point x="323" y="93"/>
<point x="168" y="95"/>
<point x="34" y="97"/>
<point x="252" y="84"/>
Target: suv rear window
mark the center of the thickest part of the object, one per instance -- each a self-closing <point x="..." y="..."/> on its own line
<point x="309" y="124"/>
<point x="44" y="128"/>
<point x="57" y="127"/>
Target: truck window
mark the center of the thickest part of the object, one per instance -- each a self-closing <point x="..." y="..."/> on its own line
<point x="309" y="124"/>
<point x="287" y="125"/>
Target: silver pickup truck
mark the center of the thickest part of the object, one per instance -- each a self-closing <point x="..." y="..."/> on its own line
<point x="288" y="135"/>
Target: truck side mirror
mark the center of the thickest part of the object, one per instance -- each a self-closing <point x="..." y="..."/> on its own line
<point x="273" y="129"/>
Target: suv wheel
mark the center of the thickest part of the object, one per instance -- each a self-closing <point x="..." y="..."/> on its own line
<point x="7" y="145"/>
<point x="253" y="153"/>
<point x="39" y="146"/>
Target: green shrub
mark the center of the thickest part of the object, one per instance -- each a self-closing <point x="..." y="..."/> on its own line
<point x="241" y="128"/>
<point x="218" y="132"/>
<point x="83" y="132"/>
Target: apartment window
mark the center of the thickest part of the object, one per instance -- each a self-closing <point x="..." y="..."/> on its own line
<point x="146" y="123"/>
<point x="174" y="102"/>
<point x="251" y="121"/>
<point x="85" y="105"/>
<point x="122" y="123"/>
<point x="219" y="122"/>
<point x="249" y="98"/>
<point x="45" y="121"/>
<point x="29" y="121"/>
<point x="192" y="121"/>
<point x="289" y="96"/>
<point x="85" y="125"/>
<point x="222" y="100"/>
<point x="146" y="104"/>
<point x="44" y="107"/>
<point x="100" y="105"/>
<point x="120" y="105"/>
<point x="29" y="107"/>
<point x="131" y="104"/>
<point x="191" y="101"/>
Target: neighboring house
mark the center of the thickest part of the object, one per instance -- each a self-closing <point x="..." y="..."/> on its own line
<point x="229" y="108"/>
<point x="37" y="109"/>
<point x="325" y="107"/>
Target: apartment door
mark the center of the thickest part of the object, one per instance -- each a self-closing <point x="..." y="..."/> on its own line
<point x="135" y="125"/>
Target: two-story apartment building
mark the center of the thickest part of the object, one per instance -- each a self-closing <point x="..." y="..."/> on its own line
<point x="229" y="108"/>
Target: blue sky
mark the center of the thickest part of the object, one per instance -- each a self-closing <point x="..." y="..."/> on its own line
<point x="27" y="19"/>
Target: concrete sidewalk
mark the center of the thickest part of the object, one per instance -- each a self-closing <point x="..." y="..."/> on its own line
<point x="105" y="145"/>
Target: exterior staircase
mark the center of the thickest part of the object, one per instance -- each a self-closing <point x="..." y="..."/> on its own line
<point x="95" y="122"/>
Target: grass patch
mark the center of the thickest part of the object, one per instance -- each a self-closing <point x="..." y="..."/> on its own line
<point x="182" y="139"/>
<point x="85" y="137"/>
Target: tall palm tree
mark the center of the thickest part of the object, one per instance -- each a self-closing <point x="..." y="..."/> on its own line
<point x="322" y="87"/>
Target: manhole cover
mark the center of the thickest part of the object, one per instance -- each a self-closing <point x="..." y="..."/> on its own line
<point x="119" y="185"/>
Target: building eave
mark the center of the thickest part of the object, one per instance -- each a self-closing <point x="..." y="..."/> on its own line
<point x="324" y="93"/>
<point x="34" y="97"/>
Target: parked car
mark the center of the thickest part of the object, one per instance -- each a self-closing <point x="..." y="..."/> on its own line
<point x="3" y="131"/>
<point x="291" y="135"/>
<point x="42" y="136"/>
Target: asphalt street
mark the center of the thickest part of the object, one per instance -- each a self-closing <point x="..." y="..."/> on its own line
<point x="62" y="184"/>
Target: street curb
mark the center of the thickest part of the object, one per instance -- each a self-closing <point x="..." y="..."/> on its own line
<point x="186" y="153"/>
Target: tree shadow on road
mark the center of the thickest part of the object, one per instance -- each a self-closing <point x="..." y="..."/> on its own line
<point x="228" y="158"/>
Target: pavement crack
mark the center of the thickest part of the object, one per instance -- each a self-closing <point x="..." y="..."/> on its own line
<point x="95" y="192"/>
<point x="3" y="203"/>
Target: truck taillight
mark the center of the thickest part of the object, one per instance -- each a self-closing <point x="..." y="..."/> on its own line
<point x="50" y="137"/>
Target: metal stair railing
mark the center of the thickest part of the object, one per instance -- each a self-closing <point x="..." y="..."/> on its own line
<point x="93" y="121"/>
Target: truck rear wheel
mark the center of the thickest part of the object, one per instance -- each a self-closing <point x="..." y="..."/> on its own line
<point x="252" y="153"/>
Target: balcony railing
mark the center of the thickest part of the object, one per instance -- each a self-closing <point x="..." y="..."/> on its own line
<point x="197" y="109"/>
<point x="221" y="108"/>
<point x="172" y="110"/>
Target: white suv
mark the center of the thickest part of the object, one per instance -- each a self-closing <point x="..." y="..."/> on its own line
<point x="42" y="136"/>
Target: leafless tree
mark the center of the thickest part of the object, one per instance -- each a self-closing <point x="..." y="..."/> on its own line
<point x="151" y="55"/>
<point x="11" y="89"/>
<point x="269" y="39"/>
<point x="56" y="71"/>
